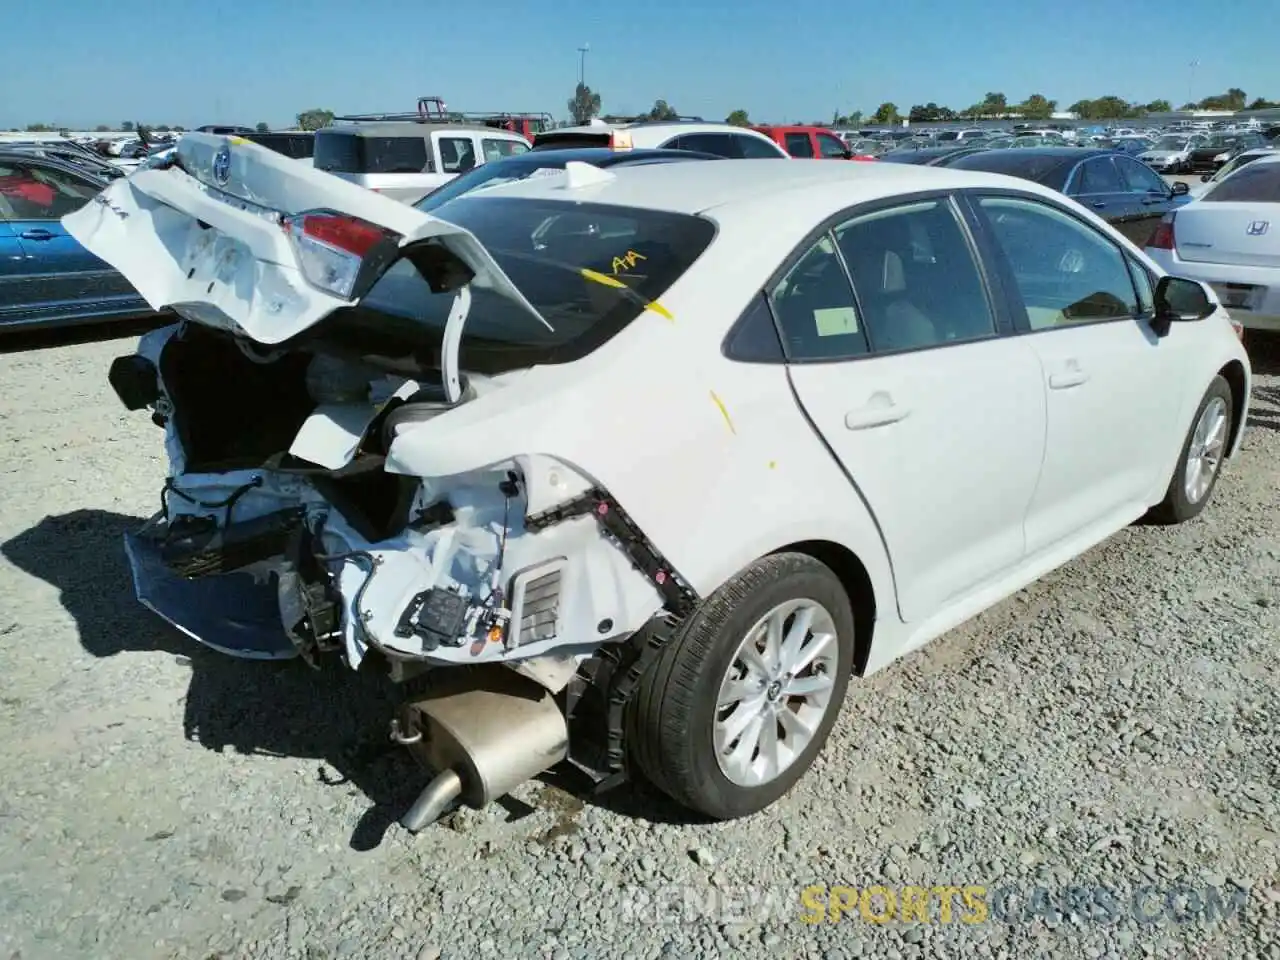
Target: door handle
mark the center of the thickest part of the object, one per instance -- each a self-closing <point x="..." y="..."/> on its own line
<point x="880" y="411"/>
<point x="1154" y="200"/>
<point x="38" y="233"/>
<point x="1099" y="204"/>
<point x="1073" y="376"/>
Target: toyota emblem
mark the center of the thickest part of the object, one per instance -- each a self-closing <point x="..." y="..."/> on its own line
<point x="222" y="164"/>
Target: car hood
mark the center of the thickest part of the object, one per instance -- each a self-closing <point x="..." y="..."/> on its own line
<point x="211" y="246"/>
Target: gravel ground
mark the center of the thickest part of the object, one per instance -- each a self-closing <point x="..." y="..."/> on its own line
<point x="1113" y="726"/>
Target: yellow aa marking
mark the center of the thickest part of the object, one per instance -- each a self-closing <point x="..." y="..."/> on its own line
<point x="607" y="280"/>
<point x="660" y="310"/>
<point x="724" y="412"/>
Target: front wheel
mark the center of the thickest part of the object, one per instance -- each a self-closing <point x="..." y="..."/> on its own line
<point x="1201" y="459"/>
<point x="743" y="698"/>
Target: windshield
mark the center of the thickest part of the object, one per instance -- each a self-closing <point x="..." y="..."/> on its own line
<point x="1256" y="183"/>
<point x="1170" y="143"/>
<point x="1221" y="140"/>
<point x="589" y="269"/>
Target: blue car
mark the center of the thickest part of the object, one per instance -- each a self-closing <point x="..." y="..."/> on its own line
<point x="46" y="278"/>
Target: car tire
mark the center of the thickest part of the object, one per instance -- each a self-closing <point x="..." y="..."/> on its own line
<point x="679" y="735"/>
<point x="1193" y="483"/>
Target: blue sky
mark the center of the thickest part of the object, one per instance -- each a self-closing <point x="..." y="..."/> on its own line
<point x="83" y="62"/>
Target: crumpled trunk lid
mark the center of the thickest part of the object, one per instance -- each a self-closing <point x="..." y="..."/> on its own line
<point x="206" y="237"/>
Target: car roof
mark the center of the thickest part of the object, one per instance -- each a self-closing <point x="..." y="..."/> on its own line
<point x="693" y="188"/>
<point x="411" y="128"/>
<point x="604" y="156"/>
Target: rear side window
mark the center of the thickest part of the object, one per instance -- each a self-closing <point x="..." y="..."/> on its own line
<point x="799" y="144"/>
<point x="589" y="269"/>
<point x="569" y="141"/>
<point x="350" y="153"/>
<point x="1256" y="183"/>
<point x="721" y="144"/>
<point x="1098" y="176"/>
<point x="497" y="149"/>
<point x="757" y="148"/>
<point x="457" y="154"/>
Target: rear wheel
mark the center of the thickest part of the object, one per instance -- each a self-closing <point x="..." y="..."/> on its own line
<point x="743" y="698"/>
<point x="1201" y="459"/>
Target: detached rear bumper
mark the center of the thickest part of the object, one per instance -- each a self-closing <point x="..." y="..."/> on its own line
<point x="234" y="613"/>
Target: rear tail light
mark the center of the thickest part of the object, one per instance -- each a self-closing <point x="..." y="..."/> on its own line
<point x="339" y="254"/>
<point x="1162" y="238"/>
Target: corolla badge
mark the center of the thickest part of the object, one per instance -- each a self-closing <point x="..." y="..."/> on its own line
<point x="222" y="164"/>
<point x="1257" y="228"/>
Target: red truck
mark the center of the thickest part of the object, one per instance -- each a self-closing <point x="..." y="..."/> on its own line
<point x="804" y="142"/>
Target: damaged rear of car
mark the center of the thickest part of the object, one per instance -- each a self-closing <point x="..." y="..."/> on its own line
<point x="311" y="510"/>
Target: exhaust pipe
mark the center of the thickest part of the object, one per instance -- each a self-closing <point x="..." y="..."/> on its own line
<point x="483" y="739"/>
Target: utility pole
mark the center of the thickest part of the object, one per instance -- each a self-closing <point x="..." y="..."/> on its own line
<point x="582" y="63"/>
<point x="1191" y="82"/>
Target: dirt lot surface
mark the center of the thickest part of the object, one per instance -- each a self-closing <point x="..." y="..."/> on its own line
<point x="1114" y="727"/>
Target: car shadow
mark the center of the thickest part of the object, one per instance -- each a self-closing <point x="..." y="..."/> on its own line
<point x="335" y="716"/>
<point x="19" y="340"/>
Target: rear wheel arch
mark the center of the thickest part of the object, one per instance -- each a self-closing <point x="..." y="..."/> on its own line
<point x="853" y="576"/>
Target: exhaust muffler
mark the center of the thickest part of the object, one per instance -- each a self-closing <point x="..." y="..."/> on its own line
<point x="483" y="735"/>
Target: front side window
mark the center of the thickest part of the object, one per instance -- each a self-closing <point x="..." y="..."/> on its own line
<point x="798" y="144"/>
<point x="589" y="270"/>
<point x="833" y="148"/>
<point x="1065" y="271"/>
<point x="915" y="277"/>
<point x="1140" y="178"/>
<point x="34" y="192"/>
<point x="497" y="149"/>
<point x="815" y="309"/>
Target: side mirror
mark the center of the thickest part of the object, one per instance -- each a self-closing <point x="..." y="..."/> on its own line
<point x="1178" y="300"/>
<point x="1180" y="189"/>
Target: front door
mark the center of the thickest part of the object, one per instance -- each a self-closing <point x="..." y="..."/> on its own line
<point x="937" y="419"/>
<point x="1103" y="369"/>
<point x="1149" y="196"/>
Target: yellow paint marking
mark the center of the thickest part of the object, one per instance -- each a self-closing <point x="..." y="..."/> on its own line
<point x="724" y="412"/>
<point x="773" y="464"/>
<point x="660" y="310"/>
<point x="605" y="279"/>
<point x="237" y="140"/>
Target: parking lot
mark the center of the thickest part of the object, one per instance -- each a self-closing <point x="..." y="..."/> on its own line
<point x="1113" y="726"/>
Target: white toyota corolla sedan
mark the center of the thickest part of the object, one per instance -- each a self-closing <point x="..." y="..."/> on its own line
<point x="1229" y="237"/>
<point x="663" y="455"/>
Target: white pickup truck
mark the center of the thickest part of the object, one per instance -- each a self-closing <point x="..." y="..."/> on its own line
<point x="406" y="160"/>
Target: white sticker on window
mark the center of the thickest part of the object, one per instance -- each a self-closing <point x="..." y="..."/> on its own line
<point x="834" y="321"/>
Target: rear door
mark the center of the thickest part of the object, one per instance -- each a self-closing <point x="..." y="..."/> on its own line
<point x="1096" y="184"/>
<point x="15" y="285"/>
<point x="896" y="356"/>
<point x="798" y="143"/>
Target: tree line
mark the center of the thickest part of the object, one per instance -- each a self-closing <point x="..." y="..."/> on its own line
<point x="586" y="104"/>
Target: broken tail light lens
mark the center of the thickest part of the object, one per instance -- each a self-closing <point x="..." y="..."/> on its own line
<point x="341" y="254"/>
